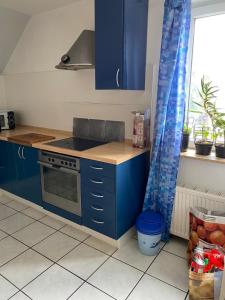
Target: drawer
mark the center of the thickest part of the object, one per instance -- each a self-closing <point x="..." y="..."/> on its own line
<point x="103" y="222"/>
<point x="97" y="184"/>
<point x="95" y="168"/>
<point x="98" y="201"/>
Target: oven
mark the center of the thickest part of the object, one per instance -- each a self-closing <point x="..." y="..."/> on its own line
<point x="60" y="178"/>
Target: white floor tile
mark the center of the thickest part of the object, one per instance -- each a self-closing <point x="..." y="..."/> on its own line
<point x="10" y="248"/>
<point x="131" y="255"/>
<point x="115" y="278"/>
<point x="171" y="269"/>
<point x="88" y="292"/>
<point x="33" y="233"/>
<point x="24" y="268"/>
<point x="15" y="223"/>
<point x="177" y="246"/>
<point x="56" y="246"/>
<point x="100" y="245"/>
<point x="83" y="260"/>
<point x="33" y="213"/>
<point x="52" y="222"/>
<point x="6" y="211"/>
<point x="150" y="288"/>
<point x="2" y="235"/>
<point x="6" y="289"/>
<point x="74" y="233"/>
<point x="17" y="205"/>
<point x="5" y="199"/>
<point x="20" y="296"/>
<point x="56" y="283"/>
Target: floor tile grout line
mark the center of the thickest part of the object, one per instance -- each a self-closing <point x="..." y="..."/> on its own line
<point x="174" y="254"/>
<point x="166" y="283"/>
<point x="19" y="291"/>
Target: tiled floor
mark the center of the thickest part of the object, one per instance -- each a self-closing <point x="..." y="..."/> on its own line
<point x="42" y="258"/>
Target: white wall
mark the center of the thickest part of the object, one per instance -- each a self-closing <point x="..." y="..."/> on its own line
<point x="12" y="24"/>
<point x="44" y="96"/>
<point x="2" y="93"/>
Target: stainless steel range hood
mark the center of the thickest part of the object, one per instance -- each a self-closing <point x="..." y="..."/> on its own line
<point x="81" y="55"/>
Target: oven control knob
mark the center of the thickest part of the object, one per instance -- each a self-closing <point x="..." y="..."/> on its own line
<point x="62" y="162"/>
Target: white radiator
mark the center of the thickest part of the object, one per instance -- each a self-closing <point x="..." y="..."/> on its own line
<point x="186" y="198"/>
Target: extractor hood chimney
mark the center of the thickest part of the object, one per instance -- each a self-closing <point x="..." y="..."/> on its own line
<point x="81" y="55"/>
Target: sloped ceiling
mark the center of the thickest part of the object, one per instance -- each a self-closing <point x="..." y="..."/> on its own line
<point x="32" y="7"/>
<point x="12" y="25"/>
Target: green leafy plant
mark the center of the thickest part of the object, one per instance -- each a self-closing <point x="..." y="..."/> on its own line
<point x="186" y="129"/>
<point x="220" y="125"/>
<point x="204" y="135"/>
<point x="208" y="95"/>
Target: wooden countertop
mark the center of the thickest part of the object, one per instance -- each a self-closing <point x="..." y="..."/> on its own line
<point x="113" y="153"/>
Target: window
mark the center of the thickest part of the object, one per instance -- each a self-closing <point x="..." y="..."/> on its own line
<point x="208" y="59"/>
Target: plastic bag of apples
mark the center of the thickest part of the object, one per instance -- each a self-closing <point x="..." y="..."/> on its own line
<point x="207" y="228"/>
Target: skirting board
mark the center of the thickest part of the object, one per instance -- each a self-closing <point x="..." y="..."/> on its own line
<point x="116" y="243"/>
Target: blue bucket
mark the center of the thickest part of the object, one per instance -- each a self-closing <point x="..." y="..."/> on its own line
<point x="150" y="226"/>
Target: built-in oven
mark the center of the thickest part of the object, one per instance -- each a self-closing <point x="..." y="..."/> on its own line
<point x="60" y="177"/>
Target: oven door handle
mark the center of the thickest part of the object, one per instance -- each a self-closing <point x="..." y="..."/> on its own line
<point x="65" y="170"/>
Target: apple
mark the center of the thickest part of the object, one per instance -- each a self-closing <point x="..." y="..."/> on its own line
<point x="210" y="226"/>
<point x="194" y="238"/>
<point x="201" y="232"/>
<point x="217" y="237"/>
<point x="222" y="227"/>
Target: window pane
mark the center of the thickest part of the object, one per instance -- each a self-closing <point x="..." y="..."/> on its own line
<point x="209" y="58"/>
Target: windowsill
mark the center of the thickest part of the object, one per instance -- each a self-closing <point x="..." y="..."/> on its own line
<point x="211" y="158"/>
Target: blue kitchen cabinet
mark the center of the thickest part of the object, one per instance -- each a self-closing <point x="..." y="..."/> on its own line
<point x="120" y="44"/>
<point x="112" y="195"/>
<point x="28" y="180"/>
<point x="7" y="166"/>
<point x="20" y="172"/>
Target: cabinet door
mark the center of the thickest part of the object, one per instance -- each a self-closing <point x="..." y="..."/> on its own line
<point x="18" y="184"/>
<point x="7" y="166"/>
<point x="109" y="44"/>
<point x="31" y="175"/>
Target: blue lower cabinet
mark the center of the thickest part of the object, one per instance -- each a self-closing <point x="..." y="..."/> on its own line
<point x="7" y="166"/>
<point x="29" y="175"/>
<point x="20" y="172"/>
<point x="112" y="206"/>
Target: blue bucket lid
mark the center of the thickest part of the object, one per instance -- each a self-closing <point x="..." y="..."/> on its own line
<point x="150" y="223"/>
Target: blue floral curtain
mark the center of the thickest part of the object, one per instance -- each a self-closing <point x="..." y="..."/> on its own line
<point x="161" y="187"/>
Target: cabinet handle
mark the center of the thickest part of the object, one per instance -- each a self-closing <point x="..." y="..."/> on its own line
<point x="97" y="196"/>
<point x="96" y="208"/>
<point x="23" y="157"/>
<point x="95" y="181"/>
<point x="96" y="168"/>
<point x="97" y="222"/>
<point x="117" y="78"/>
<point x="19" y="152"/>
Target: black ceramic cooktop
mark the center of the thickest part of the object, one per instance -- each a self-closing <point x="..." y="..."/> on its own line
<point x="76" y="144"/>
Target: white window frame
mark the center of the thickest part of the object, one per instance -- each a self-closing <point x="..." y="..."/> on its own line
<point x="198" y="12"/>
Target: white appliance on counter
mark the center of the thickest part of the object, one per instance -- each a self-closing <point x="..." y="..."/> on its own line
<point x="7" y="119"/>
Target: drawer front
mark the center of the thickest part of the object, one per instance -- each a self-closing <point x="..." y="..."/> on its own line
<point x="100" y="221"/>
<point x="97" y="169"/>
<point x="98" y="184"/>
<point x="99" y="201"/>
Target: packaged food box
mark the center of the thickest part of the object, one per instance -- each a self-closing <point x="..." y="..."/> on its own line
<point x="141" y="129"/>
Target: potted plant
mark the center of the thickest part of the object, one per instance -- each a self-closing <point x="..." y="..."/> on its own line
<point x="185" y="138"/>
<point x="220" y="135"/>
<point x="203" y="138"/>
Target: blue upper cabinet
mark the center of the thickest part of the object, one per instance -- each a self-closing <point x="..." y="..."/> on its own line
<point x="121" y="39"/>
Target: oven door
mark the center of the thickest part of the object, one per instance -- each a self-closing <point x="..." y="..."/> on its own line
<point x="61" y="187"/>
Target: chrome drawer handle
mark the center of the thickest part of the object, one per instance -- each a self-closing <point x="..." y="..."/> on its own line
<point x="98" y="209"/>
<point x="97" y="182"/>
<point x="96" y="168"/>
<point x="97" y="222"/>
<point x="97" y="196"/>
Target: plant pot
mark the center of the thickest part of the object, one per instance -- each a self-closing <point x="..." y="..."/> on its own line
<point x="220" y="150"/>
<point x="185" y="142"/>
<point x="203" y="148"/>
